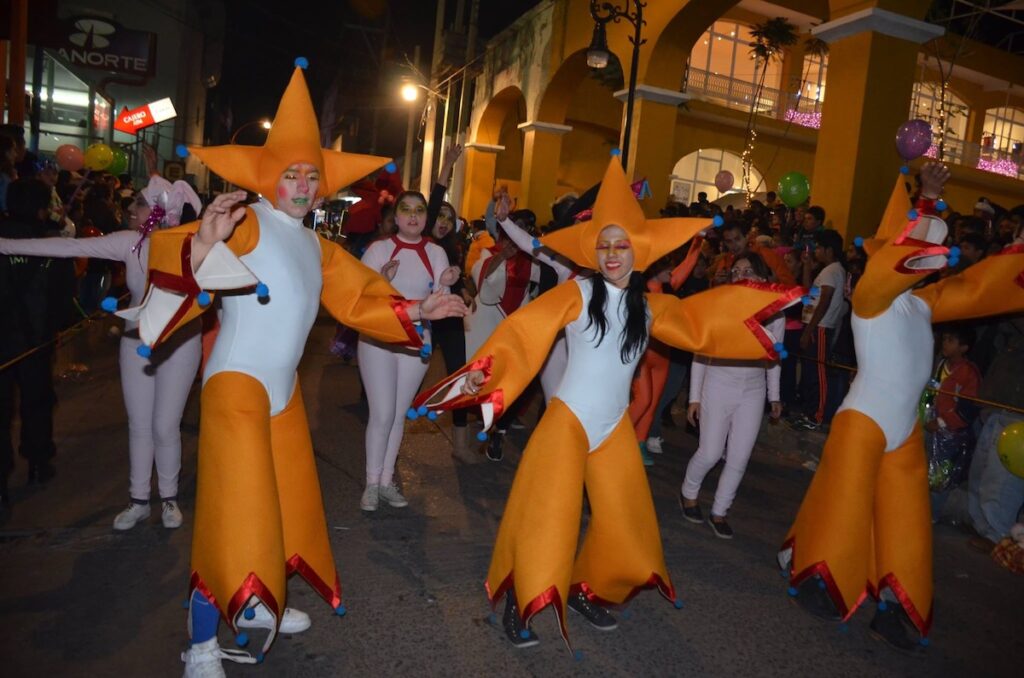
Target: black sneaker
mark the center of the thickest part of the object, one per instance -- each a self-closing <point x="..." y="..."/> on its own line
<point x="890" y="625"/>
<point x="520" y="636"/>
<point x="494" y="452"/>
<point x="691" y="513"/>
<point x="804" y="423"/>
<point x="720" y="528"/>
<point x="812" y="596"/>
<point x="600" y="618"/>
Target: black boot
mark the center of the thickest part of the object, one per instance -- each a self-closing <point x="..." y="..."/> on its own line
<point x="494" y="452"/>
<point x="600" y="618"/>
<point x="812" y="596"/>
<point x="519" y="634"/>
<point x="890" y="625"/>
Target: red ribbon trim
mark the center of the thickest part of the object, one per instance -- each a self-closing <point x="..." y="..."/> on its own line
<point x="252" y="586"/>
<point x="419" y="248"/>
<point x="923" y="625"/>
<point x="754" y="323"/>
<point x="822" y="570"/>
<point x="666" y="589"/>
<point x="330" y="594"/>
<point x="401" y="308"/>
<point x="185" y="284"/>
<point x="496" y="397"/>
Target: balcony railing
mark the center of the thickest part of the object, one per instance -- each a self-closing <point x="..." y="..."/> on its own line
<point x="771" y="102"/>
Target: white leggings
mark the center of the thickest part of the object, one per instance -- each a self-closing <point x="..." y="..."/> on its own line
<point x="391" y="377"/>
<point x="730" y="412"/>
<point x="155" y="393"/>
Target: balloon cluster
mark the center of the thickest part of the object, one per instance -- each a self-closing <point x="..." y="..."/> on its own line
<point x="98" y="157"/>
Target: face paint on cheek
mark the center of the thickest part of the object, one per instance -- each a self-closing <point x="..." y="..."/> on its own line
<point x="282" y="192"/>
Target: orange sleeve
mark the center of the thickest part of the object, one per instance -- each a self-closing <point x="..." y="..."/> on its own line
<point x="363" y="300"/>
<point x="682" y="272"/>
<point x="476" y="248"/>
<point x="782" y="273"/>
<point x="993" y="286"/>
<point x="511" y="357"/>
<point x="723" y="322"/>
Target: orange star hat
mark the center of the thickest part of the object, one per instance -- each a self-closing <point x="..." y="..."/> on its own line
<point x="617" y="206"/>
<point x="294" y="137"/>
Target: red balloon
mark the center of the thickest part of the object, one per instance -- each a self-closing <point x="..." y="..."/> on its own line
<point x="724" y="180"/>
<point x="70" y="157"/>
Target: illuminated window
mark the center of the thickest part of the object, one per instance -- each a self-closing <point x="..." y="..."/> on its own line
<point x="696" y="172"/>
<point x="812" y="83"/>
<point x="1004" y="130"/>
<point x="721" y="69"/>
<point x="925" y="104"/>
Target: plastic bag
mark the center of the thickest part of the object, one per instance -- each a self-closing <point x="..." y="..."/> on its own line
<point x="949" y="457"/>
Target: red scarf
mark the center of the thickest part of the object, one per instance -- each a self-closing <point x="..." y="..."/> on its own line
<point x="419" y="248"/>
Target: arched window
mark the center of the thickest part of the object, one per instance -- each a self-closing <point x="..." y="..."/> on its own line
<point x="696" y="172"/>
<point x="721" y="69"/>
<point x="926" y="104"/>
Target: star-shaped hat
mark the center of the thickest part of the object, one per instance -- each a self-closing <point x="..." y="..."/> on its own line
<point x="616" y="205"/>
<point x="293" y="138"/>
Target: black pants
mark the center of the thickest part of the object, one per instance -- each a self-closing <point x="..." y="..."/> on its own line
<point x="33" y="377"/>
<point x="821" y="386"/>
<point x="450" y="335"/>
<point x="788" y="382"/>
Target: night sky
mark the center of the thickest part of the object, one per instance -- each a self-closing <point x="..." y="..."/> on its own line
<point x="263" y="40"/>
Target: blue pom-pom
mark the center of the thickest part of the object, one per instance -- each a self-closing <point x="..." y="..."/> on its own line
<point x="954" y="252"/>
<point x="242" y="639"/>
<point x="302" y="62"/>
<point x="482" y="436"/>
<point x="784" y="574"/>
<point x="432" y="415"/>
<point x="430" y="285"/>
<point x="779" y="347"/>
<point x="204" y="299"/>
<point x="882" y="606"/>
<point x="782" y="356"/>
<point x="524" y="634"/>
<point x="391" y="168"/>
<point x="616" y="152"/>
<point x="411" y="414"/>
<point x="492" y="618"/>
<point x="144" y="351"/>
<point x="925" y="642"/>
<point x="792" y="591"/>
<point x="250" y="613"/>
<point x="426" y="351"/>
<point x="262" y="291"/>
<point x="678" y="604"/>
<point x="536" y="243"/>
<point x="578" y="655"/>
<point x="912" y="215"/>
<point x="821" y="584"/>
<point x="806" y="300"/>
<point x="941" y="205"/>
<point x="858" y="241"/>
<point x="181" y="150"/>
<point x="259" y="658"/>
<point x="905" y="169"/>
<point x="109" y="304"/>
<point x="422" y="410"/>
<point x="718" y="221"/>
<point x="419" y="329"/>
<point x="815" y="291"/>
<point x="341" y="610"/>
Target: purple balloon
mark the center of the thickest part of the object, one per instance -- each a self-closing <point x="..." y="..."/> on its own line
<point x="914" y="139"/>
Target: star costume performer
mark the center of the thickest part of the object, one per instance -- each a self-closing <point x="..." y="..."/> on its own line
<point x="585" y="439"/>
<point x="865" y="523"/>
<point x="259" y="512"/>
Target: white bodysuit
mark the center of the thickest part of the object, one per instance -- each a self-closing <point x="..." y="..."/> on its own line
<point x="288" y="260"/>
<point x="596" y="382"/>
<point x="887" y="387"/>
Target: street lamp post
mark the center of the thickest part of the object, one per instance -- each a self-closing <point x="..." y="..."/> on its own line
<point x="264" y="123"/>
<point x="598" y="55"/>
<point x="410" y="93"/>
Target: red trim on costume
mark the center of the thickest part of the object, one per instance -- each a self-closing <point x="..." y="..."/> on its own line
<point x="654" y="581"/>
<point x="401" y="308"/>
<point x="926" y="206"/>
<point x="926" y="250"/>
<point x="754" y="323"/>
<point x="496" y="397"/>
<point x="185" y="284"/>
<point x="822" y="570"/>
<point x="419" y="248"/>
<point x="252" y="586"/>
<point x="332" y="595"/>
<point x="890" y="581"/>
<point x="1010" y="249"/>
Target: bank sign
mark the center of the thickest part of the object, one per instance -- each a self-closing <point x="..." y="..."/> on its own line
<point x="101" y="44"/>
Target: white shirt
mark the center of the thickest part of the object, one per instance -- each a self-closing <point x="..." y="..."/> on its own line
<point x="832" y="276"/>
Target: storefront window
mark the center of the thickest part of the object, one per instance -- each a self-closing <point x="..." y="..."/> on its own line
<point x="65" y="113"/>
<point x="721" y="69"/>
<point x="696" y="172"/>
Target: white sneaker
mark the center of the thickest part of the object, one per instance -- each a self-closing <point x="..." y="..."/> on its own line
<point x="126" y="519"/>
<point x="654" y="445"/>
<point x="391" y="495"/>
<point x="292" y="621"/>
<point x="371" y="498"/>
<point x="203" y="659"/>
<point x="171" y="514"/>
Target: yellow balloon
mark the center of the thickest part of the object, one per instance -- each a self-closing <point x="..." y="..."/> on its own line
<point x="1010" y="447"/>
<point x="98" y="157"/>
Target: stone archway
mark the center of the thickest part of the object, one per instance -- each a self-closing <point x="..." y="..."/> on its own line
<point x="496" y="152"/>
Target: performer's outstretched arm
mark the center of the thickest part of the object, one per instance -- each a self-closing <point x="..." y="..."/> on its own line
<point x="724" y="322"/>
<point x="993" y="286"/>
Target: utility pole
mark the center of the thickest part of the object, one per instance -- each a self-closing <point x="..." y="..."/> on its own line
<point x="455" y="190"/>
<point x="427" y="173"/>
<point x="410" y="132"/>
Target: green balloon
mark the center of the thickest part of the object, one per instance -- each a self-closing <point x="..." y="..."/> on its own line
<point x="119" y="165"/>
<point x="794" y="189"/>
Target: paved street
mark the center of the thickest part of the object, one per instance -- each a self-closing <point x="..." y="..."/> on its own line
<point x="78" y="599"/>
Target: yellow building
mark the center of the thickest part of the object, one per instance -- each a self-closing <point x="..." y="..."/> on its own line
<point x="544" y="122"/>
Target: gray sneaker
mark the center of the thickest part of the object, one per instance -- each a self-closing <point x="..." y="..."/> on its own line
<point x="371" y="498"/>
<point x="392" y="496"/>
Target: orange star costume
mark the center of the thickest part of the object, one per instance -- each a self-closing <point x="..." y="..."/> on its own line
<point x="585" y="439"/>
<point x="865" y="523"/>
<point x="259" y="512"/>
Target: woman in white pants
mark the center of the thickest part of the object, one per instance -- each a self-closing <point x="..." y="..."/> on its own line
<point x="391" y="374"/>
<point x="155" y="389"/>
<point x="728" y="398"/>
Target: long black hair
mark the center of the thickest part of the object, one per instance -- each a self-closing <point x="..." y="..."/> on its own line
<point x="634" y="339"/>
